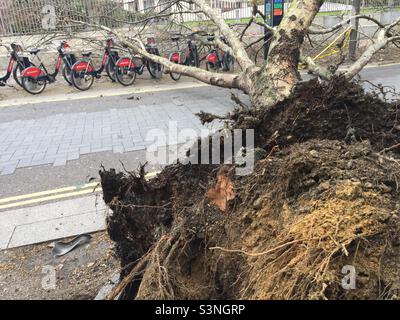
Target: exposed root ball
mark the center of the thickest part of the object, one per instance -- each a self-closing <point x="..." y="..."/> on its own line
<point x="326" y="201"/>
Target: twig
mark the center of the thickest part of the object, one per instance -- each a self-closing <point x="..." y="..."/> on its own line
<point x="390" y="148"/>
<point x="256" y="254"/>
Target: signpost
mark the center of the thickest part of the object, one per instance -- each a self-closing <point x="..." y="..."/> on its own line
<point x="274" y="10"/>
<point x="277" y="12"/>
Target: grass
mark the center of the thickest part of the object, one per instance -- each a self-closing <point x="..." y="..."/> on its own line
<point x="363" y="11"/>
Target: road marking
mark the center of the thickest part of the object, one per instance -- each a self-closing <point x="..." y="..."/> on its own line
<point x="55" y="194"/>
<point x="48" y="198"/>
<point x="47" y="192"/>
<point x="86" y="95"/>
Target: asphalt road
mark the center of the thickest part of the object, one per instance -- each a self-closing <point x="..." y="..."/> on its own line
<point x="387" y="75"/>
<point x="102" y="132"/>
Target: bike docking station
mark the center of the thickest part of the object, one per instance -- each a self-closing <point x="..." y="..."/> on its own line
<point x="274" y="11"/>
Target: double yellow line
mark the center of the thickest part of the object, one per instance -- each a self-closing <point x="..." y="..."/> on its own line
<point x="55" y="194"/>
<point x="48" y="195"/>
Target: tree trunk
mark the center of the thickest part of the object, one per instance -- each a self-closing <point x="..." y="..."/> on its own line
<point x="276" y="79"/>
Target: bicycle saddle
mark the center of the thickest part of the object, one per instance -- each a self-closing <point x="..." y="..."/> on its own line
<point x="175" y="38"/>
<point x="87" y="54"/>
<point x="34" y="51"/>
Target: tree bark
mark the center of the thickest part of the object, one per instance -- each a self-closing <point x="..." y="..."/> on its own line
<point x="275" y="81"/>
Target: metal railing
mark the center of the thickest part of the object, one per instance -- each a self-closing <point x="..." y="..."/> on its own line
<point x="373" y="3"/>
<point x="20" y="17"/>
<point x="23" y="17"/>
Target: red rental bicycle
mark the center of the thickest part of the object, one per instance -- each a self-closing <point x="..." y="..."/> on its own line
<point x="16" y="60"/>
<point x="126" y="69"/>
<point x="4" y="79"/>
<point x="188" y="57"/>
<point x="218" y="60"/>
<point x="84" y="73"/>
<point x="34" y="79"/>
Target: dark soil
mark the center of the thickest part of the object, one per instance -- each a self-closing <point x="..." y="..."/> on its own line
<point x="325" y="197"/>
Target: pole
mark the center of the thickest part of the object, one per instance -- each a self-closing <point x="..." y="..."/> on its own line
<point x="354" y="30"/>
<point x="273" y="10"/>
<point x="268" y="21"/>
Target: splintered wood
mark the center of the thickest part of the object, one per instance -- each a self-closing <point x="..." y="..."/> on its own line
<point x="222" y="192"/>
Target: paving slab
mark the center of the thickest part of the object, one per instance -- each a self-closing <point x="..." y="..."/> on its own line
<point x="42" y="231"/>
<point x="51" y="221"/>
<point x="59" y="138"/>
<point x="5" y="236"/>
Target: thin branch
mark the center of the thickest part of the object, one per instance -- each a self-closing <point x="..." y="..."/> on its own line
<point x="343" y="23"/>
<point x="321" y="71"/>
<point x="381" y="42"/>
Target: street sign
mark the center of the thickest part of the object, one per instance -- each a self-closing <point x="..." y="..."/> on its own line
<point x="277" y="11"/>
<point x="273" y="10"/>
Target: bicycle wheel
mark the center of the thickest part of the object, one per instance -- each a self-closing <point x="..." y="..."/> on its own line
<point x="125" y="75"/>
<point x="228" y="63"/>
<point x="19" y="68"/>
<point x="67" y="74"/>
<point x="82" y="80"/>
<point x="175" y="76"/>
<point x="33" y="86"/>
<point x="211" y="66"/>
<point x="110" y="70"/>
<point x="155" y="69"/>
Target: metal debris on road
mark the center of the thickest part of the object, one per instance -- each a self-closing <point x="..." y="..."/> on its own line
<point x="62" y="248"/>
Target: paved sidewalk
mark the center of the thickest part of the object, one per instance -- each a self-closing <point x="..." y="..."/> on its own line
<point x="51" y="221"/>
<point x="16" y="97"/>
<point x="59" y="138"/>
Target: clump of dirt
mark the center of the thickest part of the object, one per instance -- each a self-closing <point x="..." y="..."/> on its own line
<point x="328" y="110"/>
<point x="322" y="200"/>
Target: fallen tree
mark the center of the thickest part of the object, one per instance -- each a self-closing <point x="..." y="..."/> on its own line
<point x="325" y="197"/>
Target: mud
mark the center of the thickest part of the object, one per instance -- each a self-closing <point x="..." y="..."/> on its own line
<point x="325" y="198"/>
